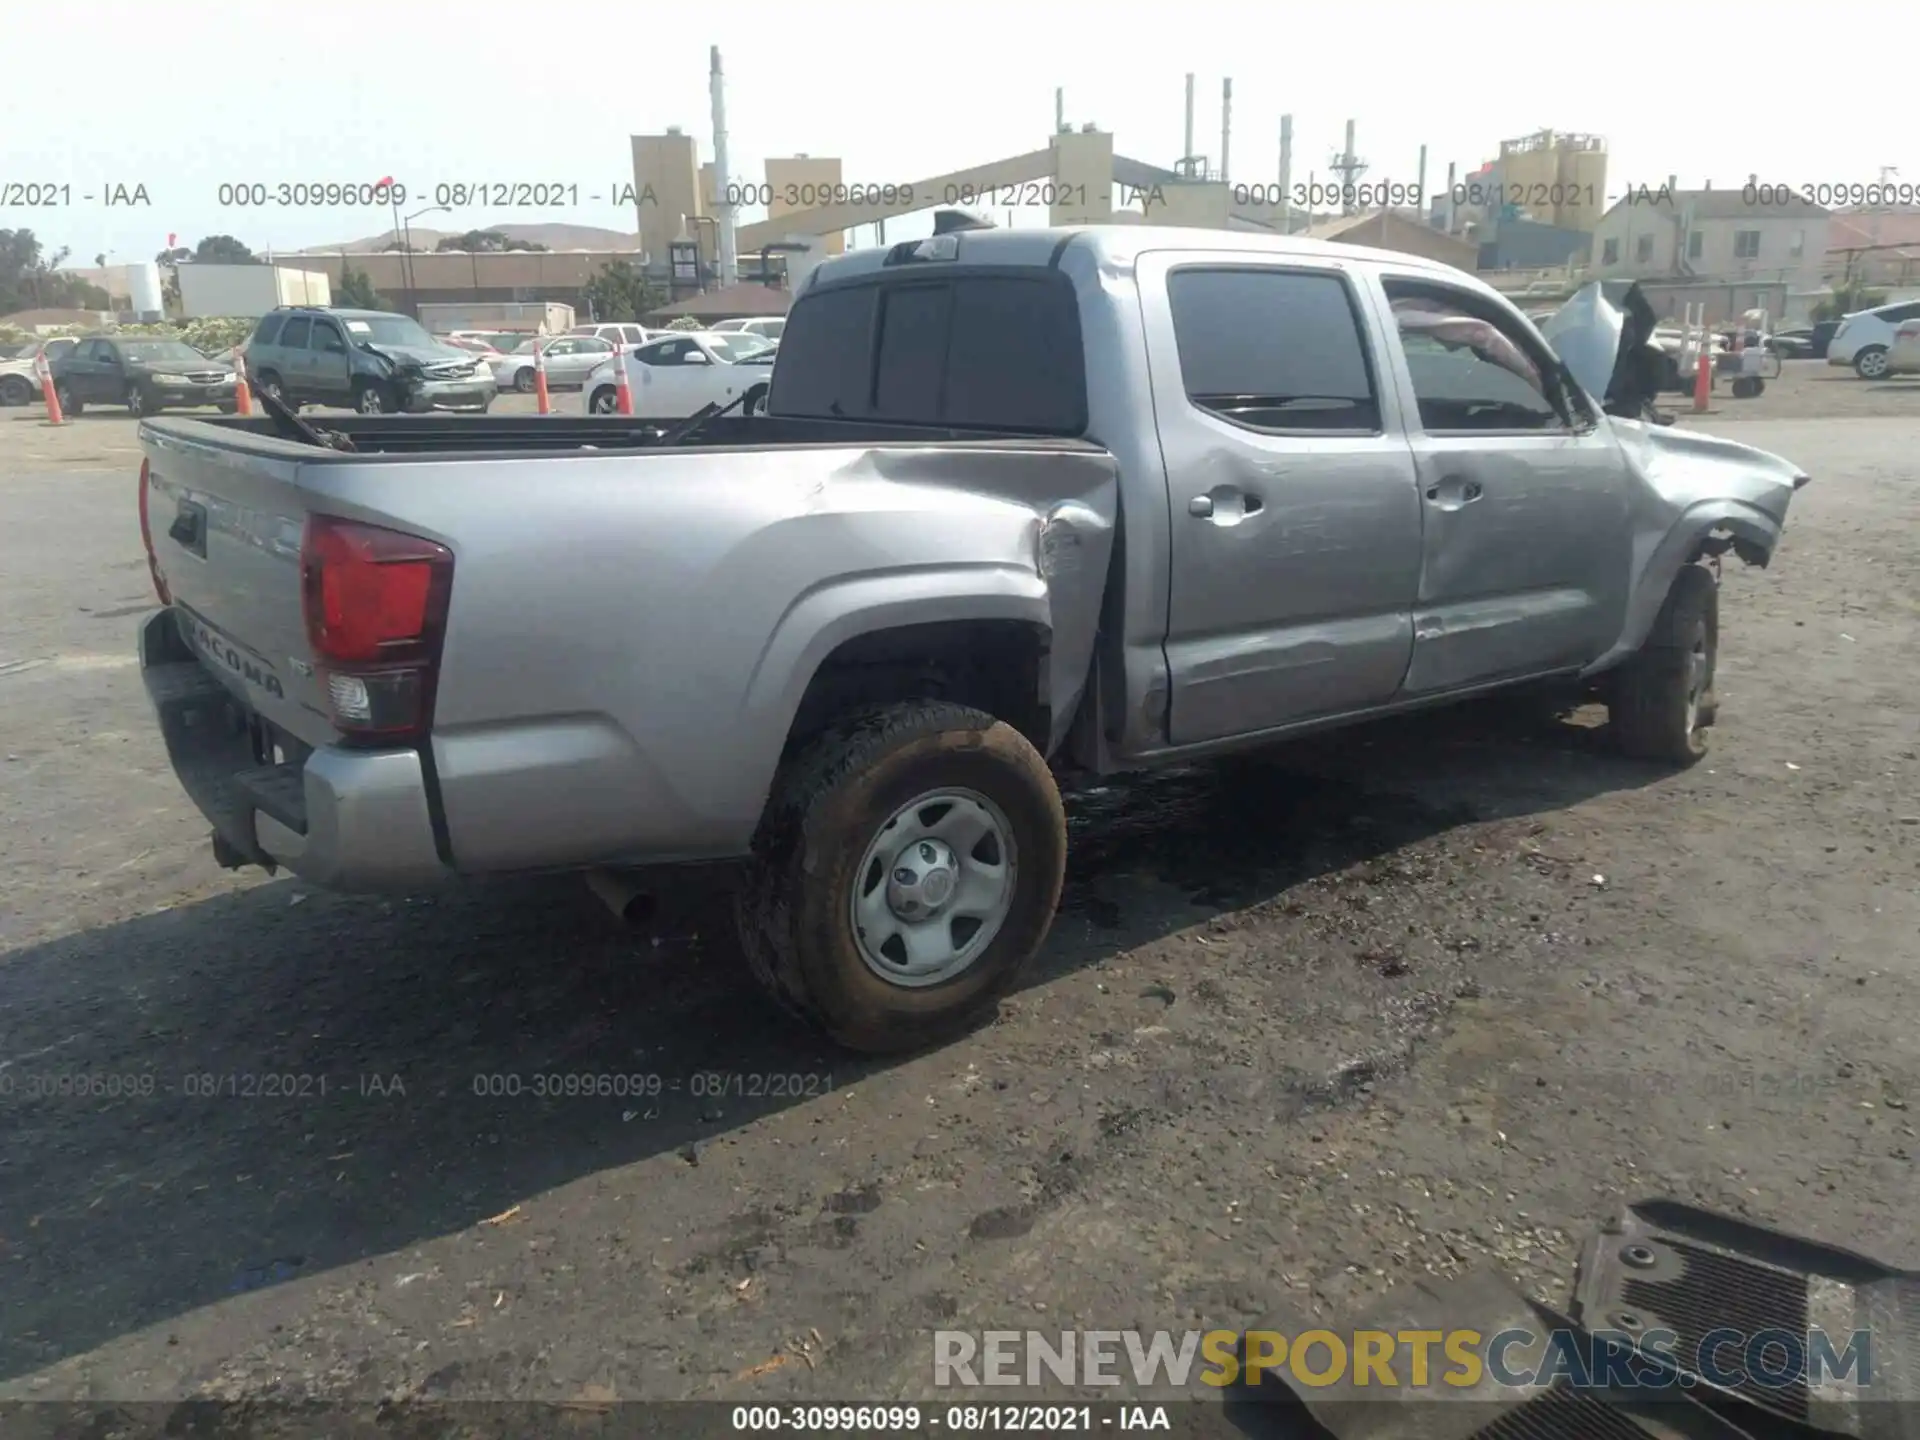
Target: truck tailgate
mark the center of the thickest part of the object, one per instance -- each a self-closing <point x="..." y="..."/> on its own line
<point x="225" y="524"/>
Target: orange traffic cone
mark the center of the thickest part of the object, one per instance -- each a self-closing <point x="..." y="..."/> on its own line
<point x="47" y="391"/>
<point x="242" y="397"/>
<point x="1702" y="381"/>
<point x="622" y="386"/>
<point x="540" y="379"/>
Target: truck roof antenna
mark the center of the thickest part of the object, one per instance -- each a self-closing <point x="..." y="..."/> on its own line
<point x="948" y="222"/>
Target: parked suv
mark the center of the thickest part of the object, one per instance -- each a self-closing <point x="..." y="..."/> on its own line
<point x="623" y="336"/>
<point x="1865" y="336"/>
<point x="370" y="360"/>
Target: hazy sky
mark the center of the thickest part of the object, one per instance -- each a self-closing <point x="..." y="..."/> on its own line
<point x="183" y="97"/>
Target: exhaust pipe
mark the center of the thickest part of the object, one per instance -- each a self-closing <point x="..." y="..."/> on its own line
<point x="623" y="894"/>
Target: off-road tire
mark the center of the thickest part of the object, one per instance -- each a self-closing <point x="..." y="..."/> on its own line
<point x="1647" y="705"/>
<point x="792" y="908"/>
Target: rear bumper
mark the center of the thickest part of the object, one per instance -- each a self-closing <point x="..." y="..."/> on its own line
<point x="343" y="819"/>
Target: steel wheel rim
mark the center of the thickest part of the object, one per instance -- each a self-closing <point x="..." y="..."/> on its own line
<point x="370" y="403"/>
<point x="1696" y="678"/>
<point x="135" y="404"/>
<point x="603" y="403"/>
<point x="933" y="888"/>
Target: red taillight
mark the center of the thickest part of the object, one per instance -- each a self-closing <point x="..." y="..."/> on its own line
<point x="375" y="603"/>
<point x="146" y="539"/>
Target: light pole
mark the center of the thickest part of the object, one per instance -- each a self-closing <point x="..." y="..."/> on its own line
<point x="412" y="278"/>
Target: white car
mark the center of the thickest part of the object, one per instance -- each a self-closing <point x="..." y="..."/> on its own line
<point x="676" y="376"/>
<point x="624" y="334"/>
<point x="19" y="380"/>
<point x="1866" y="336"/>
<point x="1903" y="356"/>
<point x="569" y="359"/>
<point x="766" y="326"/>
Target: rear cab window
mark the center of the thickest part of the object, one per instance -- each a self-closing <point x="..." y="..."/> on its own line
<point x="269" y="329"/>
<point x="993" y="348"/>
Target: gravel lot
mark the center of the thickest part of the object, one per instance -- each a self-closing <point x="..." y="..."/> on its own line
<point x="1311" y="1023"/>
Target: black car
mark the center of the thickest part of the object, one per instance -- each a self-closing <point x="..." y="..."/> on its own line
<point x="145" y="373"/>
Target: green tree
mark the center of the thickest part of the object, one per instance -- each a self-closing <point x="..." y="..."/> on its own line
<point x="223" y="250"/>
<point x="620" y="292"/>
<point x="1848" y="296"/>
<point x="486" y="242"/>
<point x="31" y="279"/>
<point x="357" y="292"/>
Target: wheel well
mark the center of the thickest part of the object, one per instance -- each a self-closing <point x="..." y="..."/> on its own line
<point x="993" y="665"/>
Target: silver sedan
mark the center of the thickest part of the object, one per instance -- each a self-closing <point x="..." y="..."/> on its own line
<point x="569" y="360"/>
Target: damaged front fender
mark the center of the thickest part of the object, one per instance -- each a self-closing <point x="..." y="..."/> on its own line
<point x="1695" y="495"/>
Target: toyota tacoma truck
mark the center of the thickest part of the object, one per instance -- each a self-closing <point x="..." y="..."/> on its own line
<point x="1021" y="505"/>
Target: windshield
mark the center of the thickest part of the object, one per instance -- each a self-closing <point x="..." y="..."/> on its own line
<point x="155" y="352"/>
<point x="398" y="330"/>
<point x="734" y="348"/>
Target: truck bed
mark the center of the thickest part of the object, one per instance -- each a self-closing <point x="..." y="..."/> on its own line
<point x="447" y="435"/>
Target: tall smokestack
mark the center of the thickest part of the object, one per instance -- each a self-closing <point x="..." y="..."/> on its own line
<point x="1226" y="124"/>
<point x="1286" y="172"/>
<point x="1188" y="155"/>
<point x="1420" y="182"/>
<point x="722" y="177"/>
<point x="1447" y="209"/>
<point x="1059" y="109"/>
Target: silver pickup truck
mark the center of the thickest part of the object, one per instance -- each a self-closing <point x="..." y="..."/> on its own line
<point x="1022" y="503"/>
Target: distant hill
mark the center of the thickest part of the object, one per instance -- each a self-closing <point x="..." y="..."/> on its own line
<point x="554" y="237"/>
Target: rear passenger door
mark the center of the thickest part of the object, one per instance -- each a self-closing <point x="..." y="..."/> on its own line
<point x="294" y="361"/>
<point x="1295" y="517"/>
<point x="1527" y="548"/>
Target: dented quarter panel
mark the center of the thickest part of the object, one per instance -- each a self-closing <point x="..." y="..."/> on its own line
<point x="624" y="658"/>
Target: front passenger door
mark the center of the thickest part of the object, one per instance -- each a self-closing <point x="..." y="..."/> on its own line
<point x="330" y="365"/>
<point x="1527" y="551"/>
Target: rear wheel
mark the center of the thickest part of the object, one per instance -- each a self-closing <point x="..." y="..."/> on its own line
<point x="1871" y="363"/>
<point x="15" y="390"/>
<point x="909" y="867"/>
<point x="1662" y="701"/>
<point x="603" y="402"/>
<point x="270" y="385"/>
<point x="523" y="380"/>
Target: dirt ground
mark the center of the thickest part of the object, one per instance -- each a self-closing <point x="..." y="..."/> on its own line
<point x="1310" y="1024"/>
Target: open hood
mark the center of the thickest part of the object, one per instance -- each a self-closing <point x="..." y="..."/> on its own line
<point x="1604" y="337"/>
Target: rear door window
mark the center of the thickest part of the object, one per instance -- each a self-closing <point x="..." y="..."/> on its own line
<point x="1273" y="350"/>
<point x="294" y="336"/>
<point x="268" y="330"/>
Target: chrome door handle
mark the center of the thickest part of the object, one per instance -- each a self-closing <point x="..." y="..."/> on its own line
<point x="1200" y="506"/>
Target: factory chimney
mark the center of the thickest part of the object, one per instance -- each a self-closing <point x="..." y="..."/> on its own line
<point x="1226" y="124"/>
<point x="1420" y="183"/>
<point x="1187" y="155"/>
<point x="1286" y="172"/>
<point x="1060" y="110"/>
<point x="722" y="177"/>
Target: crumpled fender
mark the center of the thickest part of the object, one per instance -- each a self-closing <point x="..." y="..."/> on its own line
<point x="1689" y="487"/>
